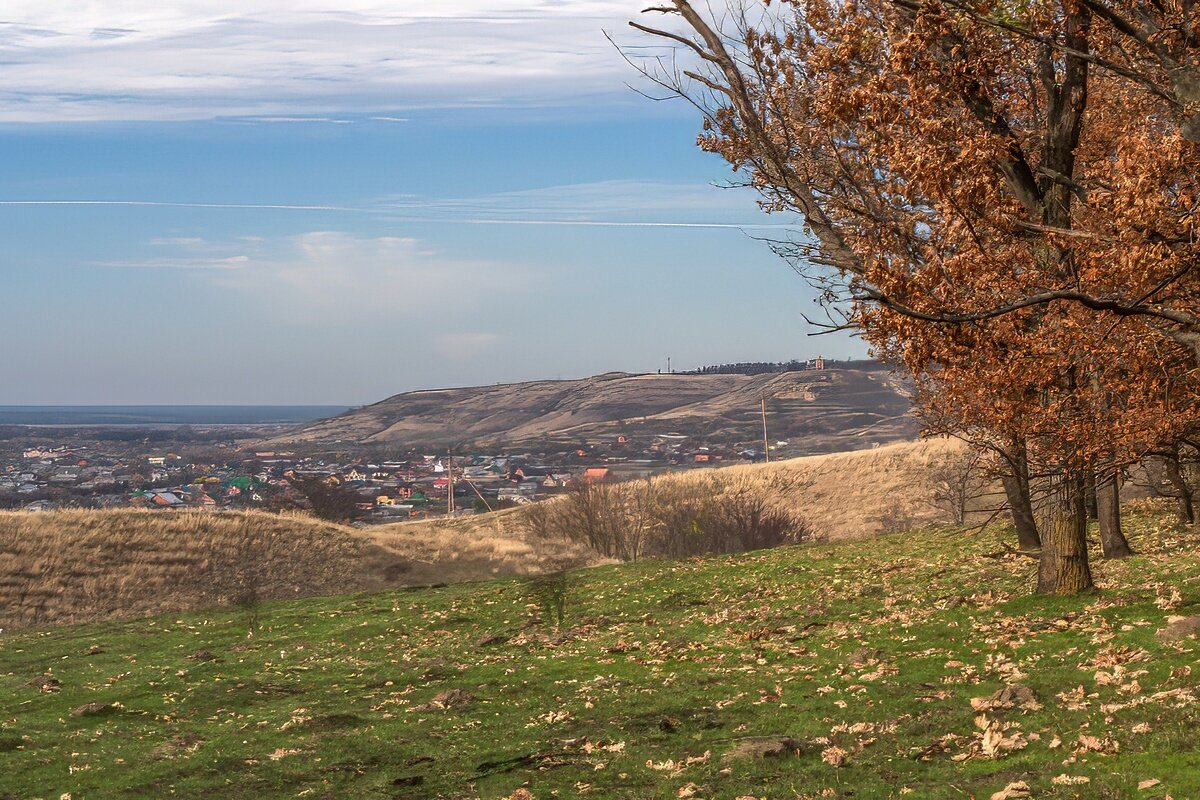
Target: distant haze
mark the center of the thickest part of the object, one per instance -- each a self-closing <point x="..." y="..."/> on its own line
<point x="163" y="415"/>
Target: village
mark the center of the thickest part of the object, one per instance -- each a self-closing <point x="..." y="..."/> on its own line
<point x="384" y="488"/>
<point x="221" y="468"/>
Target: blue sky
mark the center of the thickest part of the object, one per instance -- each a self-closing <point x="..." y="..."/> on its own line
<point x="268" y="202"/>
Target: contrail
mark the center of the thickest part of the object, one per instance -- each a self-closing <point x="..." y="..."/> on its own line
<point x="447" y="220"/>
<point x="607" y="224"/>
<point x="167" y="204"/>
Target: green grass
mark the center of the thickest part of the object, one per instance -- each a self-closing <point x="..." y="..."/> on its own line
<point x="657" y="662"/>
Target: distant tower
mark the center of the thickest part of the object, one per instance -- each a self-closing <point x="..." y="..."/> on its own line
<point x="669" y="366"/>
<point x="819" y="362"/>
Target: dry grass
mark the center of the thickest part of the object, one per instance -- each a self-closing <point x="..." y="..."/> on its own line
<point x="79" y="566"/>
<point x="469" y="548"/>
<point x="861" y="493"/>
<point x="75" y="566"/>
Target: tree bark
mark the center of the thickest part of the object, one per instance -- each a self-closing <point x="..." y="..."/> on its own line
<point x="1015" y="480"/>
<point x="1108" y="499"/>
<point x="1183" y="492"/>
<point x="1091" y="499"/>
<point x="1063" y="565"/>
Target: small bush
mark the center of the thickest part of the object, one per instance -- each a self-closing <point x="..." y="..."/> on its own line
<point x="715" y="514"/>
<point x="550" y="593"/>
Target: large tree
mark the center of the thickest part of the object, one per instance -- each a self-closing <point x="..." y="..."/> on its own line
<point x="1002" y="195"/>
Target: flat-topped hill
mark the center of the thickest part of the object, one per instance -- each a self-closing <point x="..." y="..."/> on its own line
<point x="829" y="410"/>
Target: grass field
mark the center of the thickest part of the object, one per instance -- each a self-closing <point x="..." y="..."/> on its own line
<point x="666" y="680"/>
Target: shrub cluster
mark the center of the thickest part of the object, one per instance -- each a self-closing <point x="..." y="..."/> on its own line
<point x="709" y="513"/>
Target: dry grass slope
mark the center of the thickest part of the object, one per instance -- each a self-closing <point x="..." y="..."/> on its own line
<point x="861" y="493"/>
<point x="80" y="566"/>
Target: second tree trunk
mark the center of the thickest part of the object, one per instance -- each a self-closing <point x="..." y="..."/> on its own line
<point x="1063" y="564"/>
<point x="1108" y="501"/>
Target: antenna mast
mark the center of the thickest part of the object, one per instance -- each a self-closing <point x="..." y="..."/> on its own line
<point x="766" y="442"/>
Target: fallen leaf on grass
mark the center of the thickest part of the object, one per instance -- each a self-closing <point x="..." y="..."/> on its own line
<point x="1095" y="744"/>
<point x="676" y="768"/>
<point x="1013" y="791"/>
<point x="1070" y="780"/>
<point x="834" y="756"/>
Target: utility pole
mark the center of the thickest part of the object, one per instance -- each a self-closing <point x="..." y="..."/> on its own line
<point x="450" y="482"/>
<point x="766" y="442"/>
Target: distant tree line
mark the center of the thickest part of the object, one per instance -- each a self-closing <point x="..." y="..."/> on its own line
<point x="750" y="368"/>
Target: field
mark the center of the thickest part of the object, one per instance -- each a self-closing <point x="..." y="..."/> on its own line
<point x="916" y="666"/>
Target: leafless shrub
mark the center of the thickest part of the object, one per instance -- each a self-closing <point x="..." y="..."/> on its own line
<point x="550" y="592"/>
<point x="957" y="481"/>
<point x="896" y="516"/>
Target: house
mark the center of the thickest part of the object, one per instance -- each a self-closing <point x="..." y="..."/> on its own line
<point x="166" y="500"/>
<point x="65" y="475"/>
<point x="595" y="474"/>
<point x="532" y="473"/>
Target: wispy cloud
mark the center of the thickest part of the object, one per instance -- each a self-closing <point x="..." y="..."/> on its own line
<point x="232" y="262"/>
<point x="303" y="60"/>
<point x="336" y="274"/>
<point x="300" y="120"/>
<point x="615" y="204"/>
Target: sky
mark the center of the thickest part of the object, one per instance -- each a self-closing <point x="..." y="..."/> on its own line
<point x="209" y="201"/>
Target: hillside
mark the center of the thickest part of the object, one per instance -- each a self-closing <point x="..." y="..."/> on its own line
<point x="917" y="667"/>
<point x="826" y="411"/>
<point x="76" y="566"/>
<point x="857" y="494"/>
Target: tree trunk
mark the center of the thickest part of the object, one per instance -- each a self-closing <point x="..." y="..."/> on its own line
<point x="1092" y="500"/>
<point x="1016" y="488"/>
<point x="1063" y="564"/>
<point x="1183" y="492"/>
<point x="1108" y="499"/>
